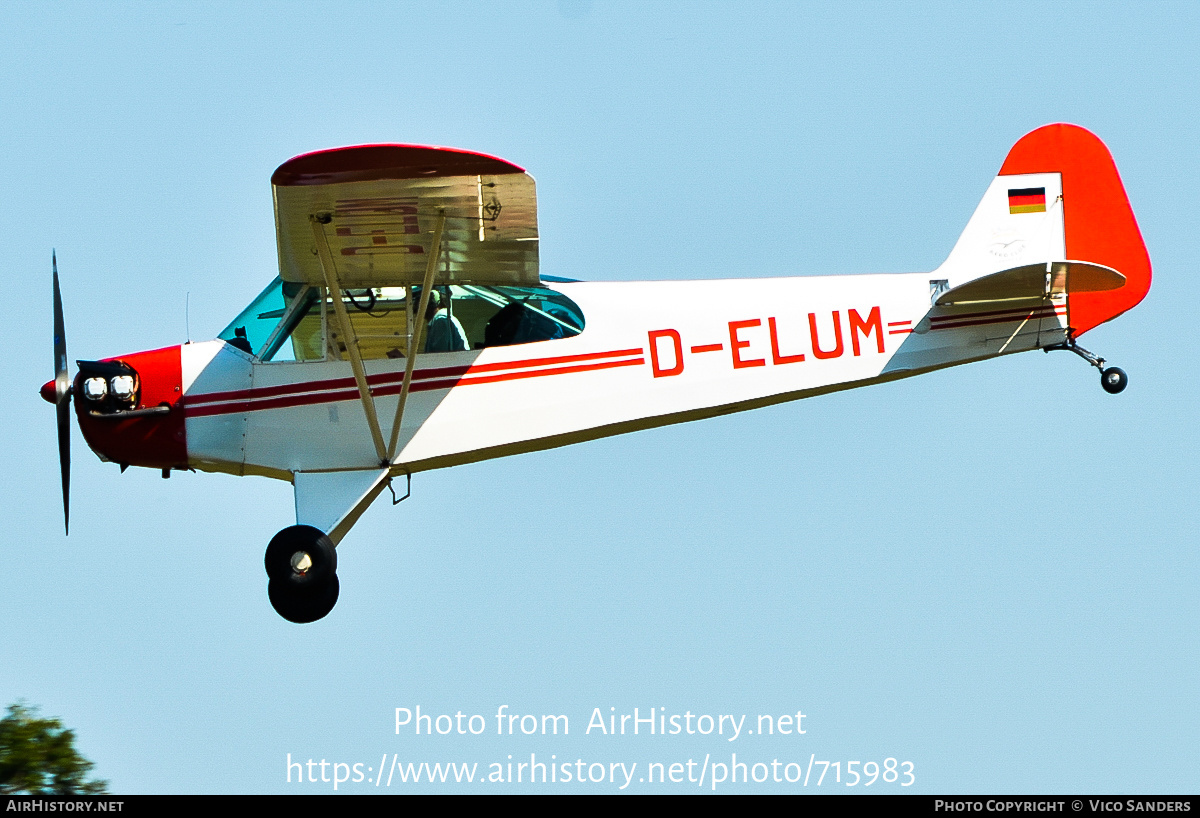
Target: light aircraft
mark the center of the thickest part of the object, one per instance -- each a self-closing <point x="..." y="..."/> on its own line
<point x="410" y="329"/>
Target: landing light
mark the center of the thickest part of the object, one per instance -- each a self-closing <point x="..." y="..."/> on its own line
<point x="123" y="387"/>
<point x="95" y="389"/>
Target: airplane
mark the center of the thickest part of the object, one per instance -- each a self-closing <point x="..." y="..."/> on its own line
<point x="410" y="329"/>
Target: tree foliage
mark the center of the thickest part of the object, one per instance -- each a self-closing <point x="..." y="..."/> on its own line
<point x="38" y="756"/>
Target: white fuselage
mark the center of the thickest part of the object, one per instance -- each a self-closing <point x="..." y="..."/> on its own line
<point x="651" y="353"/>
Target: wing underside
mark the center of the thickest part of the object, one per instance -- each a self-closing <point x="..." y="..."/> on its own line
<point x="378" y="206"/>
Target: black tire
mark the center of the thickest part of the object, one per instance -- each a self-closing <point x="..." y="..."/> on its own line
<point x="294" y="540"/>
<point x="303" y="605"/>
<point x="1114" y="380"/>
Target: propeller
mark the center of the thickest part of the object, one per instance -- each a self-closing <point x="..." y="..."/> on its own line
<point x="62" y="397"/>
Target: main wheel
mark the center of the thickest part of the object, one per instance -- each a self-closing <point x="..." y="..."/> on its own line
<point x="303" y="605"/>
<point x="1114" y="380"/>
<point x="302" y="557"/>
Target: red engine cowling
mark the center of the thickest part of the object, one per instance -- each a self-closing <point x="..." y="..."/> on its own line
<point x="124" y="432"/>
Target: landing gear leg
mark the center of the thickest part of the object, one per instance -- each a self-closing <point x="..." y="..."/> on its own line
<point x="1112" y="379"/>
<point x="301" y="565"/>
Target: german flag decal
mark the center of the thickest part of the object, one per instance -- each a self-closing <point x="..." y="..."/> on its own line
<point x="1027" y="200"/>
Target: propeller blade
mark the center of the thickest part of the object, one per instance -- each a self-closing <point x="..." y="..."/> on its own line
<point x="62" y="397"/>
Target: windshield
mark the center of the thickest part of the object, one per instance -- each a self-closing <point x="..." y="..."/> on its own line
<point x="282" y="324"/>
<point x="296" y="322"/>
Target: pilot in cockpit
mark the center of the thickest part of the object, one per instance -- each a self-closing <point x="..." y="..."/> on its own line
<point x="443" y="332"/>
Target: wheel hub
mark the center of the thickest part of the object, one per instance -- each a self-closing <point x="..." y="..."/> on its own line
<point x="301" y="562"/>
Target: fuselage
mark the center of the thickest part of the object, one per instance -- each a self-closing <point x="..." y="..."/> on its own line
<point x="652" y="353"/>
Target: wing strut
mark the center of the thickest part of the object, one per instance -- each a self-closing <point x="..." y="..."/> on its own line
<point x="414" y="339"/>
<point x="339" y="308"/>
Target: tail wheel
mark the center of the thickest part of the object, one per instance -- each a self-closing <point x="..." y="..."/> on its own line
<point x="1114" y="380"/>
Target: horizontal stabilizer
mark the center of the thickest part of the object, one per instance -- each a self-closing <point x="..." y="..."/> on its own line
<point x="1035" y="282"/>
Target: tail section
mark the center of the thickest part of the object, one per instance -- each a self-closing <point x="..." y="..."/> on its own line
<point x="1057" y="197"/>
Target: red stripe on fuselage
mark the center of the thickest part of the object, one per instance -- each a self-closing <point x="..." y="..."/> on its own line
<point x="510" y="376"/>
<point x="342" y="389"/>
<point x="395" y="377"/>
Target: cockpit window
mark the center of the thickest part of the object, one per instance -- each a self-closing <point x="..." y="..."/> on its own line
<point x="283" y="324"/>
<point x="296" y="322"/>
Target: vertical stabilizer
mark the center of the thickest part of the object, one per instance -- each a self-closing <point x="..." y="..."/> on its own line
<point x="1099" y="223"/>
<point x="1057" y="197"/>
<point x="1018" y="222"/>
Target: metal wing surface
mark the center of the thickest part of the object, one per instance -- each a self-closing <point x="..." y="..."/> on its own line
<point x="379" y="204"/>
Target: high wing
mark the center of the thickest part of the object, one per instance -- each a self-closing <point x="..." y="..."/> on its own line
<point x="379" y="207"/>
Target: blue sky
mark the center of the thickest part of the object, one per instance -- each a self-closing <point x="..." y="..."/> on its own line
<point x="988" y="571"/>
